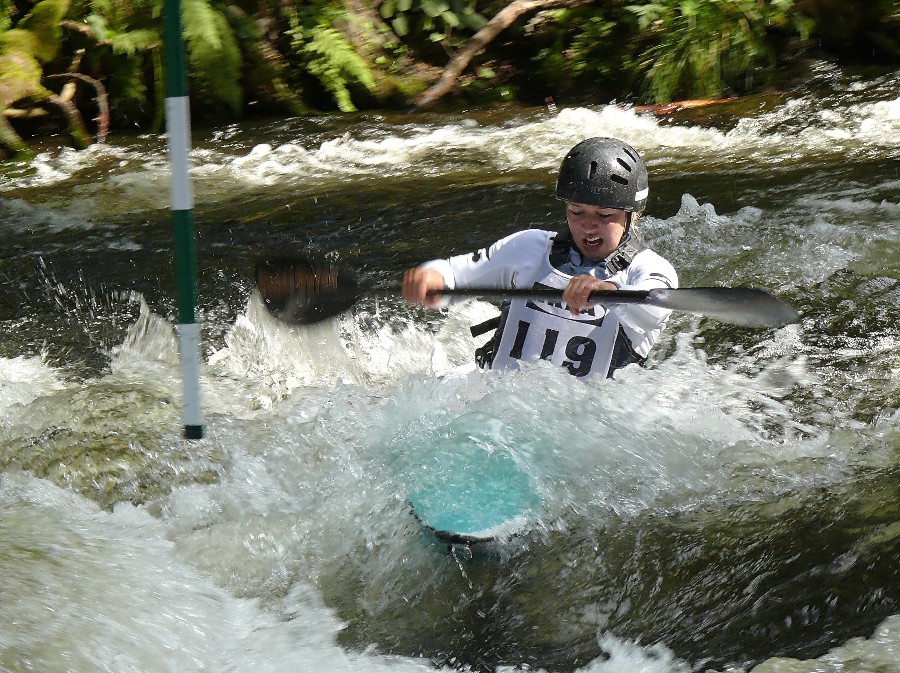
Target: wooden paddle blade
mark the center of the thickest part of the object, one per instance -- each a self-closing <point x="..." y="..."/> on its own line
<point x="304" y="291"/>
<point x="742" y="306"/>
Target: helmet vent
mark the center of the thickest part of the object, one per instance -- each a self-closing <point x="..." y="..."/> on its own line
<point x="624" y="164"/>
<point x="631" y="154"/>
<point x="618" y="178"/>
<point x="593" y="171"/>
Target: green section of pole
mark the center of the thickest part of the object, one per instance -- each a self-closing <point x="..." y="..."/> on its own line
<point x="178" y="132"/>
<point x="176" y="72"/>
<point x="185" y="265"/>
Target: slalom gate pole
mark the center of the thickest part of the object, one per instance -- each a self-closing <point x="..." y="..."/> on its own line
<point x="178" y="127"/>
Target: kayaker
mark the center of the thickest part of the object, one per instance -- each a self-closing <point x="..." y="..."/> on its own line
<point x="604" y="184"/>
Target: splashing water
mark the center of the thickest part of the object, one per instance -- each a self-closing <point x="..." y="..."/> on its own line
<point x="731" y="506"/>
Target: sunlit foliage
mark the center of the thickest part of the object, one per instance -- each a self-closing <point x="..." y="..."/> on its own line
<point x="6" y="10"/>
<point x="126" y="51"/>
<point x="325" y="53"/>
<point x="446" y="21"/>
<point x="301" y="56"/>
<point x="707" y="48"/>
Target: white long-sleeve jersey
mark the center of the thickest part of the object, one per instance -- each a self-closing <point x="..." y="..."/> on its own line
<point x="596" y="342"/>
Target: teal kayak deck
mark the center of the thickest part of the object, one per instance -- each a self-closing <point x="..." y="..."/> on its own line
<point x="472" y="495"/>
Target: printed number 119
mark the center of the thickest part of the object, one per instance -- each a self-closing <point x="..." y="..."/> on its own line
<point x="579" y="350"/>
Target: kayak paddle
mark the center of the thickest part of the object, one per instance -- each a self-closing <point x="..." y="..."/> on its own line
<point x="301" y="290"/>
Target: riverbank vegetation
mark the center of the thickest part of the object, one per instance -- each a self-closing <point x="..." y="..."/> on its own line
<point x="104" y="58"/>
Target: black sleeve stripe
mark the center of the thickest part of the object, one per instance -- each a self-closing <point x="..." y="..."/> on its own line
<point x="662" y="278"/>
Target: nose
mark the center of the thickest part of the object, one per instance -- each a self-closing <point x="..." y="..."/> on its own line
<point x="592" y="222"/>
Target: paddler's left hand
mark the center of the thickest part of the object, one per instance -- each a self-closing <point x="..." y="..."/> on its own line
<point x="579" y="289"/>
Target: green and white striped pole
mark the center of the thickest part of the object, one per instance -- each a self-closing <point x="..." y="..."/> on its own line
<point x="178" y="127"/>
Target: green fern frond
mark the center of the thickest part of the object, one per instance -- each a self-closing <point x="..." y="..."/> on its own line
<point x="130" y="90"/>
<point x="214" y="53"/>
<point x="705" y="48"/>
<point x="135" y="41"/>
<point x="201" y="23"/>
<point x="124" y="16"/>
<point x="333" y="61"/>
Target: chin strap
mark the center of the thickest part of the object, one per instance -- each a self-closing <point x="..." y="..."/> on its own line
<point x="630" y="245"/>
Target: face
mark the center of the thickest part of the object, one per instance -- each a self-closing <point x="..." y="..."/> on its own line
<point x="596" y="231"/>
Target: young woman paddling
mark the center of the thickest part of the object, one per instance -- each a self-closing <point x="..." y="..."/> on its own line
<point x="604" y="184"/>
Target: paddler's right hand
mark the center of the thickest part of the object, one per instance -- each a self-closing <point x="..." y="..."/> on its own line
<point x="416" y="284"/>
<point x="578" y="291"/>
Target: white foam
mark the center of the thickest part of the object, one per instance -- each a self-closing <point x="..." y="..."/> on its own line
<point x="24" y="379"/>
<point x="99" y="591"/>
<point x="220" y="171"/>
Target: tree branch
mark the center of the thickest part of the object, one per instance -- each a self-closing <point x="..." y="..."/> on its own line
<point x="501" y="21"/>
<point x="102" y="99"/>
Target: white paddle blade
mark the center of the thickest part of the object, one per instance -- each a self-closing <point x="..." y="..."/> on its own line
<point x="742" y="306"/>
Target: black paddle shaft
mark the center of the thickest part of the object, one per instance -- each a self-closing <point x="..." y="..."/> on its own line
<point x="545" y="294"/>
<point x="302" y="291"/>
<point x="742" y="306"/>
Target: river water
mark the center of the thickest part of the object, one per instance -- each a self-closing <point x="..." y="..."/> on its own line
<point x="732" y="506"/>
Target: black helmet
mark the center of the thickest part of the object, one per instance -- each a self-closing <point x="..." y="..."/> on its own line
<point x="604" y="172"/>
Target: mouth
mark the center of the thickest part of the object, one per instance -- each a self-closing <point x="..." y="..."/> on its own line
<point x="592" y="248"/>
